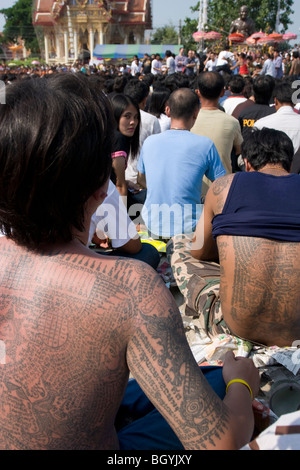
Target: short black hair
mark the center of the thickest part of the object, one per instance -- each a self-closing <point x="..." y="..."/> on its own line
<point x="138" y="90"/>
<point x="55" y="152"/>
<point x="236" y="84"/>
<point x="283" y="92"/>
<point x="182" y="103"/>
<point x="263" y="87"/>
<point x="210" y="84"/>
<point x="267" y="146"/>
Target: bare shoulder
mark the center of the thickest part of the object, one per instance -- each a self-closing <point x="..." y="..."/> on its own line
<point x="219" y="191"/>
<point x="222" y="184"/>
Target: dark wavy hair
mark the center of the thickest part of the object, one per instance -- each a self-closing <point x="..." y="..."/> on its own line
<point x="267" y="146"/>
<point x="55" y="152"/>
<point x="119" y="103"/>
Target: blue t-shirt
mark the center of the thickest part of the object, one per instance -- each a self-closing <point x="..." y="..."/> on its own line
<point x="174" y="163"/>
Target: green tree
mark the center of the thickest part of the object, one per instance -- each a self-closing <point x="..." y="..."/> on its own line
<point x="19" y="25"/>
<point x="189" y="27"/>
<point x="263" y="12"/>
<point x="165" y="35"/>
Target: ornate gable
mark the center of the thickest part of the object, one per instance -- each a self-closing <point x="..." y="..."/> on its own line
<point x="73" y="27"/>
<point x="47" y="12"/>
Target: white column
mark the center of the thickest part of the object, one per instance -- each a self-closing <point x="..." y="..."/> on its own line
<point x="91" y="42"/>
<point x="205" y="5"/>
<point x="75" y="45"/>
<point x="46" y="44"/>
<point x="66" y="43"/>
<point x="101" y="34"/>
<point x="57" y="45"/>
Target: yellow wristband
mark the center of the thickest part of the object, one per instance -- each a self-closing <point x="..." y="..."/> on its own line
<point x="241" y="382"/>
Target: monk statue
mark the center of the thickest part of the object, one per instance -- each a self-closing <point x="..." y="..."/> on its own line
<point x="243" y="24"/>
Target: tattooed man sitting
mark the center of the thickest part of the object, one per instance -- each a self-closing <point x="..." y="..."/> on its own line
<point x="241" y="273"/>
<point x="74" y="323"/>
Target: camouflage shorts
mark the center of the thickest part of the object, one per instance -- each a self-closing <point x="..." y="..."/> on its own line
<point x="199" y="283"/>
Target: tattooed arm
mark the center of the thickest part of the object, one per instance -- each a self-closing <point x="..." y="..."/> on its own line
<point x="160" y="359"/>
<point x="204" y="246"/>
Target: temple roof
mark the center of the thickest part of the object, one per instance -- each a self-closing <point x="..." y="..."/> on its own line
<point x="47" y="12"/>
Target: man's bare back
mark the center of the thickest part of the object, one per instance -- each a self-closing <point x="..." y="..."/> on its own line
<point x="260" y="289"/>
<point x="71" y="320"/>
<point x="61" y="361"/>
<point x="259" y="284"/>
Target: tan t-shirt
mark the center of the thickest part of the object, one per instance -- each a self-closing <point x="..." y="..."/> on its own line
<point x="224" y="130"/>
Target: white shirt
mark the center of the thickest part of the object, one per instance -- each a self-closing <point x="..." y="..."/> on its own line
<point x="111" y="220"/>
<point x="155" y="64"/>
<point x="231" y="102"/>
<point x="170" y="65"/>
<point x="165" y="122"/>
<point x="268" y="68"/>
<point x="285" y="120"/>
<point x="135" y="68"/>
<point x="211" y="65"/>
<point x="223" y="55"/>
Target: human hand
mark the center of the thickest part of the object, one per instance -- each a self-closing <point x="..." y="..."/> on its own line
<point x="102" y="242"/>
<point x="241" y="368"/>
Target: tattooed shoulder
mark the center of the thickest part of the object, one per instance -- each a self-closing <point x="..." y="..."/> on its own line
<point x="222" y="184"/>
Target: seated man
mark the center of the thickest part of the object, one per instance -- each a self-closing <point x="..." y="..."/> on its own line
<point x="172" y="165"/>
<point x="74" y="323"/>
<point x="241" y="273"/>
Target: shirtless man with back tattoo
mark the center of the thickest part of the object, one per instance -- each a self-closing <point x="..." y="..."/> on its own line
<point x="74" y="323"/>
<point x="241" y="274"/>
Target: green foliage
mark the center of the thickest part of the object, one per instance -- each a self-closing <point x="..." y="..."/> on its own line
<point x="19" y="24"/>
<point x="190" y="26"/>
<point x="165" y="35"/>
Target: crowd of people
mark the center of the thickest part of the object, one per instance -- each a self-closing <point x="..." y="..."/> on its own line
<point x="203" y="153"/>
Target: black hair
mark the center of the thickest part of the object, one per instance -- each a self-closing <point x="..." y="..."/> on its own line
<point x="182" y="103"/>
<point x="138" y="90"/>
<point x="119" y="104"/>
<point x="119" y="83"/>
<point x="283" y="92"/>
<point x="210" y="84"/>
<point x="55" y="152"/>
<point x="236" y="84"/>
<point x="158" y="101"/>
<point x="267" y="146"/>
<point x="263" y="87"/>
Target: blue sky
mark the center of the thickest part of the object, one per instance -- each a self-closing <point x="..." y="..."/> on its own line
<point x="171" y="11"/>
